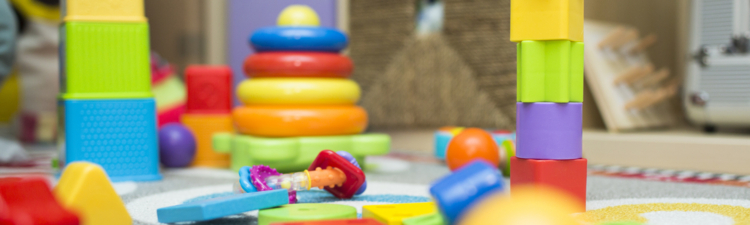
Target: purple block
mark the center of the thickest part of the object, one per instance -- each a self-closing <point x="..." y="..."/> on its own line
<point x="546" y="130"/>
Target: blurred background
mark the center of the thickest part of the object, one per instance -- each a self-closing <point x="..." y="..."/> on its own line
<point x="666" y="82"/>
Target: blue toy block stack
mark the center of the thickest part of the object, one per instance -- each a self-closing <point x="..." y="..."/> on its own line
<point x="107" y="110"/>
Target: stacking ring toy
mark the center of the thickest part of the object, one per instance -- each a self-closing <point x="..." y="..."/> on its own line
<point x="299" y="120"/>
<point x="298" y="64"/>
<point x="316" y="39"/>
<point x="298" y="91"/>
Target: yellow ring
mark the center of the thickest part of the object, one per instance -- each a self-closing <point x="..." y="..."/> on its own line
<point x="309" y="180"/>
<point x="298" y="91"/>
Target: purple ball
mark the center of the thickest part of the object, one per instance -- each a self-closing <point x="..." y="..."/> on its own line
<point x="176" y="145"/>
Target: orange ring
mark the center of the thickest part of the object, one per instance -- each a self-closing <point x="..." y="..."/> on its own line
<point x="289" y="121"/>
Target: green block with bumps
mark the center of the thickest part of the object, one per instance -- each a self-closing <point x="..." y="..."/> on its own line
<point x="550" y="71"/>
<point x="429" y="219"/>
<point x="295" y="154"/>
<point x="103" y="60"/>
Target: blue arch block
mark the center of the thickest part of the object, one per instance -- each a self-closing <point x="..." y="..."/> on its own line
<point x="119" y="135"/>
<point x="318" y="39"/>
<point x="459" y="191"/>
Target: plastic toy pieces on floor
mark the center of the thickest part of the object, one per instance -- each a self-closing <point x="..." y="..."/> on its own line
<point x="30" y="201"/>
<point x="222" y="206"/>
<point x="393" y="214"/>
<point x="528" y="203"/>
<point x="339" y="174"/>
<point x="84" y="188"/>
<point x="365" y="221"/>
<point x="306" y="212"/>
<point x="459" y="191"/>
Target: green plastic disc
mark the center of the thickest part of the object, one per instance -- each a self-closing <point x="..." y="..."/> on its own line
<point x="305" y="212"/>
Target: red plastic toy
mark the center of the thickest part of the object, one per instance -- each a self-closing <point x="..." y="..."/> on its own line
<point x="565" y="175"/>
<point x="30" y="201"/>
<point x="298" y="64"/>
<point x="366" y="221"/>
<point x="471" y="144"/>
<point x="354" y="176"/>
<point x="209" y="89"/>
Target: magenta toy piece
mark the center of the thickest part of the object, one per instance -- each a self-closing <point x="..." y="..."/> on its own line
<point x="258" y="175"/>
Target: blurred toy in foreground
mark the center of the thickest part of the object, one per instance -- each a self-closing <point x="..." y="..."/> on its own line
<point x="458" y="192"/>
<point x="299" y="100"/>
<point x="529" y="205"/>
<point x="337" y="173"/>
<point x="30" y="201"/>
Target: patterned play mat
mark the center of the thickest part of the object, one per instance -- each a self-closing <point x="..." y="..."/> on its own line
<point x="658" y="197"/>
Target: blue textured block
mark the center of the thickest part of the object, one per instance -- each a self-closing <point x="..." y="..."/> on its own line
<point x="119" y="135"/>
<point x="317" y="39"/>
<point x="222" y="206"/>
<point x="460" y="190"/>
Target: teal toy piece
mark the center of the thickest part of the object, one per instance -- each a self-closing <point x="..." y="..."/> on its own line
<point x="296" y="153"/>
<point x="222" y="206"/>
<point x="317" y="39"/>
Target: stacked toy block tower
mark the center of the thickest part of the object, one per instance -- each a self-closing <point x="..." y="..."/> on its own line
<point x="299" y="100"/>
<point x="549" y="34"/>
<point x="107" y="108"/>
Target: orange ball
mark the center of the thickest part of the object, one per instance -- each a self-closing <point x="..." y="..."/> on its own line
<point x="469" y="145"/>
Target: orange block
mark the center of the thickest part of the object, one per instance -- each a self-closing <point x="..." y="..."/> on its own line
<point x="204" y="126"/>
<point x="290" y="121"/>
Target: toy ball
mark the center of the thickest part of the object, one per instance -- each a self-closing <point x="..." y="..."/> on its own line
<point x="469" y="145"/>
<point x="298" y="15"/>
<point x="176" y="145"/>
<point x="528" y="205"/>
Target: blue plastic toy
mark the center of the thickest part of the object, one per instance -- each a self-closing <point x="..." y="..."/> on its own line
<point x="120" y="135"/>
<point x="457" y="192"/>
<point x="222" y="206"/>
<point x="317" y="39"/>
<point x="443" y="137"/>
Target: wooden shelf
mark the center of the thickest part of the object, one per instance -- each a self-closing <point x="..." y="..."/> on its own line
<point x="673" y="149"/>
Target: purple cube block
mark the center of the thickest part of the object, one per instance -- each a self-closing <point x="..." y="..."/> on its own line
<point x="546" y="130"/>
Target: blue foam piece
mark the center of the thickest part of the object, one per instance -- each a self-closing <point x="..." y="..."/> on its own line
<point x="442" y="138"/>
<point x="118" y="134"/>
<point x="245" y="182"/>
<point x="222" y="206"/>
<point x="459" y="191"/>
<point x="317" y="39"/>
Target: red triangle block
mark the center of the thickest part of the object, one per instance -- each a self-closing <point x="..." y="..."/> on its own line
<point x="30" y="201"/>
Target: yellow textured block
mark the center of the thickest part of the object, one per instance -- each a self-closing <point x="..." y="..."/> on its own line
<point x="530" y="205"/>
<point x="104" y="10"/>
<point x="536" y="20"/>
<point x="393" y="214"/>
<point x="85" y="189"/>
<point x="204" y="126"/>
<point x="298" y="15"/>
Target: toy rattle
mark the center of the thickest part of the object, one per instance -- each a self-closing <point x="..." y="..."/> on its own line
<point x="337" y="173"/>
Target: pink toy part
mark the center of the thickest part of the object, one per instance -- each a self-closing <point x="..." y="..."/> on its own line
<point x="258" y="175"/>
<point x="354" y="176"/>
<point x="171" y="115"/>
<point x="160" y="69"/>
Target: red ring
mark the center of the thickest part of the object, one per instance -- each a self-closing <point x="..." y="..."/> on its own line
<point x="298" y="64"/>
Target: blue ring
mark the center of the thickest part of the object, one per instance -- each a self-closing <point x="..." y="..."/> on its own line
<point x="317" y="39"/>
<point x="245" y="183"/>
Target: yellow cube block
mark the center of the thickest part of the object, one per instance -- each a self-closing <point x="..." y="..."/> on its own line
<point x="536" y="20"/>
<point x="85" y="189"/>
<point x="103" y="10"/>
<point x="393" y="214"/>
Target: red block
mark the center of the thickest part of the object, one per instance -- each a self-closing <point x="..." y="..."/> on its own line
<point x="209" y="89"/>
<point x="366" y="221"/>
<point x="30" y="201"/>
<point x="565" y="175"/>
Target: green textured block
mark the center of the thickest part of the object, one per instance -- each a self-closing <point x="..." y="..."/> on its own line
<point x="549" y="71"/>
<point x="295" y="154"/>
<point x="105" y="60"/>
<point x="306" y="212"/>
<point x="429" y="219"/>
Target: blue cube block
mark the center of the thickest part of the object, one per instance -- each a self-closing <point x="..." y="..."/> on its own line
<point x="222" y="206"/>
<point x="459" y="191"/>
<point x="118" y="134"/>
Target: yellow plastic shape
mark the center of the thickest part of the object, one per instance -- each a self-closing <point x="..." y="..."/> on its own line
<point x="530" y="205"/>
<point x="85" y="189"/>
<point x="298" y="91"/>
<point x="298" y="15"/>
<point x="393" y="214"/>
<point x="10" y="98"/>
<point x="104" y="10"/>
<point x="537" y="20"/>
